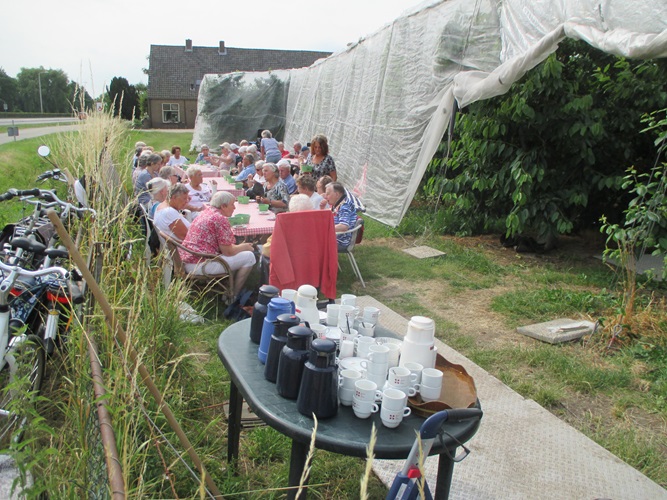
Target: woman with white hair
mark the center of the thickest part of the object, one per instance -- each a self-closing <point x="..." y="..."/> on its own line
<point x="168" y="218"/>
<point x="270" y="151"/>
<point x="211" y="233"/>
<point x="227" y="157"/>
<point x="159" y="189"/>
<point x="200" y="193"/>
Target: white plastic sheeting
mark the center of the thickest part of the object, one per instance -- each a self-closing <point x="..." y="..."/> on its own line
<point x="386" y="101"/>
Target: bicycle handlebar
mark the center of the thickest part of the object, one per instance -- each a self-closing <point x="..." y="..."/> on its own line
<point x="49" y="196"/>
<point x="34" y="274"/>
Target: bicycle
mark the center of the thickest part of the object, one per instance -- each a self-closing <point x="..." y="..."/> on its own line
<point x="22" y="357"/>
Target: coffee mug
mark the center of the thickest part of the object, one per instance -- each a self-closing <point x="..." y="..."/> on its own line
<point x="393" y="418"/>
<point x="431" y="377"/>
<point x="366" y="390"/>
<point x="346" y="349"/>
<point x="371" y="315"/>
<point x="362" y="344"/>
<point x="394" y="354"/>
<point x="393" y="399"/>
<point x="429" y="393"/>
<point x="345" y="396"/>
<point x="288" y="294"/>
<point x="415" y="369"/>
<point x="351" y="335"/>
<point x="347" y="299"/>
<point x="347" y="378"/>
<point x="401" y="376"/>
<point x="319" y="330"/>
<point x="346" y="317"/>
<point x="363" y="409"/>
<point x="332" y="314"/>
<point x="378" y="354"/>
<point x="366" y="329"/>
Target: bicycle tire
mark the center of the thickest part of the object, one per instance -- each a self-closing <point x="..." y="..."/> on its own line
<point x="19" y="390"/>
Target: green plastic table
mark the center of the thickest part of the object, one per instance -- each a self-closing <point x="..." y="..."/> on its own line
<point x="344" y="433"/>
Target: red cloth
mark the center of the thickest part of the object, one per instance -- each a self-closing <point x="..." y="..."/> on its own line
<point x="304" y="251"/>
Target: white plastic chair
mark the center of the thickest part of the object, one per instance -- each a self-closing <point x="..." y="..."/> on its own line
<point x="350" y="247"/>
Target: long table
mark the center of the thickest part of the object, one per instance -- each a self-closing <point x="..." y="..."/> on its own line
<point x="222" y="185"/>
<point x="259" y="226"/>
<point x="344" y="433"/>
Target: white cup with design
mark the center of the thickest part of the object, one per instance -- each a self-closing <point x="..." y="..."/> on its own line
<point x="415" y="369"/>
<point x="371" y="315"/>
<point x="363" y="409"/>
<point x="366" y="390"/>
<point x="393" y="418"/>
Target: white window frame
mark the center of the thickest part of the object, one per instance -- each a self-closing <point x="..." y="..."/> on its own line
<point x="168" y="109"/>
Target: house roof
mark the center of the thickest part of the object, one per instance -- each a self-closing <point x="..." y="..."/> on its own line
<point x="174" y="73"/>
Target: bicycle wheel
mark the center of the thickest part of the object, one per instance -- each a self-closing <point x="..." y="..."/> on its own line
<point x="20" y="381"/>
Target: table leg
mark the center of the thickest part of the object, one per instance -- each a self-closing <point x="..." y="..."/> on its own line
<point x="445" y="470"/>
<point x="296" y="464"/>
<point x="234" y="424"/>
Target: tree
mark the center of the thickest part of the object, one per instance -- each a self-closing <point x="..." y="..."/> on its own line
<point x="549" y="156"/>
<point x="8" y="92"/>
<point x="79" y="97"/>
<point x="123" y="98"/>
<point x="142" y="92"/>
<point x="55" y="93"/>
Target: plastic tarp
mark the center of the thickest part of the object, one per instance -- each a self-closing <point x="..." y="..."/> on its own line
<point x="385" y="102"/>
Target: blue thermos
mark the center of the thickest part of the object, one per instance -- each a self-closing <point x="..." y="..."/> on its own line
<point x="277" y="306"/>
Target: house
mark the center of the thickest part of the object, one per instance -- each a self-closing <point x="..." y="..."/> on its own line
<point x="175" y="73"/>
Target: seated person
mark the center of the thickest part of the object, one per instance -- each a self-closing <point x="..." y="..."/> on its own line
<point x="206" y="157"/>
<point x="211" y="233"/>
<point x="283" y="152"/>
<point x="248" y="168"/>
<point x="152" y="166"/>
<point x="296" y="150"/>
<point x="285" y="171"/>
<point x="138" y="148"/>
<point x="200" y="193"/>
<point x="344" y="212"/>
<point x="275" y="191"/>
<point x="227" y="157"/>
<point x="306" y="185"/>
<point x="169" y="173"/>
<point x="168" y="218"/>
<point x="176" y="160"/>
<point x="159" y="190"/>
<point x="321" y="185"/>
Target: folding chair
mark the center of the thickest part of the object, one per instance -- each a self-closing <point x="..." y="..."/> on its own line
<point x="350" y="247"/>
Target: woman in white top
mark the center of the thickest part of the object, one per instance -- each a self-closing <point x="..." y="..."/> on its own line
<point x="176" y="160"/>
<point x="200" y="193"/>
<point x="168" y="218"/>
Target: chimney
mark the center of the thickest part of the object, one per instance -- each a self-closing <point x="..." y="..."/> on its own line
<point x="188" y="45"/>
<point x="222" y="50"/>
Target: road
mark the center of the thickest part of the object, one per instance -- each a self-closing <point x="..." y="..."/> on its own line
<point x="30" y="133"/>
<point x="19" y="121"/>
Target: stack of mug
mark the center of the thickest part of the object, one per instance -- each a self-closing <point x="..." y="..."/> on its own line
<point x="419" y="342"/>
<point x="367" y="396"/>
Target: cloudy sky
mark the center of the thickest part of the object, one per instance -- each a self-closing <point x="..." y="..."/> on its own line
<point x="95" y="40"/>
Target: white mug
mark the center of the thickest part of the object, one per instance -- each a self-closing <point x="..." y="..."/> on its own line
<point x="393" y="418"/>
<point x="415" y="369"/>
<point x="346" y="349"/>
<point x="351" y="335"/>
<point x="429" y="393"/>
<point x="378" y="354"/>
<point x="366" y="329"/>
<point x="363" y="409"/>
<point x="379" y="378"/>
<point x="319" y="329"/>
<point x="346" y="317"/>
<point x="371" y="315"/>
<point x="393" y="399"/>
<point x="288" y="294"/>
<point x="347" y="379"/>
<point x="362" y="344"/>
<point x="345" y="396"/>
<point x="401" y="376"/>
<point x="332" y="314"/>
<point x="366" y="390"/>
<point x="394" y="354"/>
<point x="347" y="299"/>
<point x="431" y="377"/>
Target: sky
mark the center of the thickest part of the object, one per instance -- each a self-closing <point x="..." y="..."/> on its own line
<point x="95" y="40"/>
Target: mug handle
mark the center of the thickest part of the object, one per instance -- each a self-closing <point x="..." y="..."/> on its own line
<point x="375" y="408"/>
<point x="407" y="411"/>
<point x="378" y="395"/>
<point x="411" y="391"/>
<point x="417" y="388"/>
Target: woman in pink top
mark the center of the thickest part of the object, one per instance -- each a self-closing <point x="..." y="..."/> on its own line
<point x="211" y="233"/>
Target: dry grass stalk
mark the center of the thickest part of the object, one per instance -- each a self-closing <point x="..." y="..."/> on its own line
<point x="309" y="458"/>
<point x="363" y="491"/>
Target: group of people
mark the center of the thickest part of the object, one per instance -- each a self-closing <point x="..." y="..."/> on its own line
<point x="184" y="208"/>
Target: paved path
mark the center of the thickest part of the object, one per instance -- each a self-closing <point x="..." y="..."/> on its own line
<point x="30" y="133"/>
<point x="522" y="451"/>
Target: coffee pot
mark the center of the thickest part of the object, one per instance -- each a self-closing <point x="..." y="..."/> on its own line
<point x="292" y="360"/>
<point x="278" y="340"/>
<point x="306" y="304"/>
<point x="318" y="393"/>
<point x="266" y="293"/>
<point x="276" y="307"/>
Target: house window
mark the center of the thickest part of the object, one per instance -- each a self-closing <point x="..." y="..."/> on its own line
<point x="170" y="113"/>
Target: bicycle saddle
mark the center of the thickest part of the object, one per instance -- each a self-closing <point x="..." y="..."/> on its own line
<point x="28" y="245"/>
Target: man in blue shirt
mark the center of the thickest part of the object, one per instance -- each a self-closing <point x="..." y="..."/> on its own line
<point x="344" y="212"/>
<point x="284" y="170"/>
<point x="248" y="168"/>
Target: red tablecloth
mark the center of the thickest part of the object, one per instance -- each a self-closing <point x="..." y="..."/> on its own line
<point x="259" y="224"/>
<point x="208" y="171"/>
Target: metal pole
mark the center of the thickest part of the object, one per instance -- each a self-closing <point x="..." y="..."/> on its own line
<point x="39" y="80"/>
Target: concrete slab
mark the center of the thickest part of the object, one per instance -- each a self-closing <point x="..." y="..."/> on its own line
<point x="558" y="330"/>
<point x="8" y="473"/>
<point x="423" y="252"/>
<point x="645" y="264"/>
<point x="521" y="450"/>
